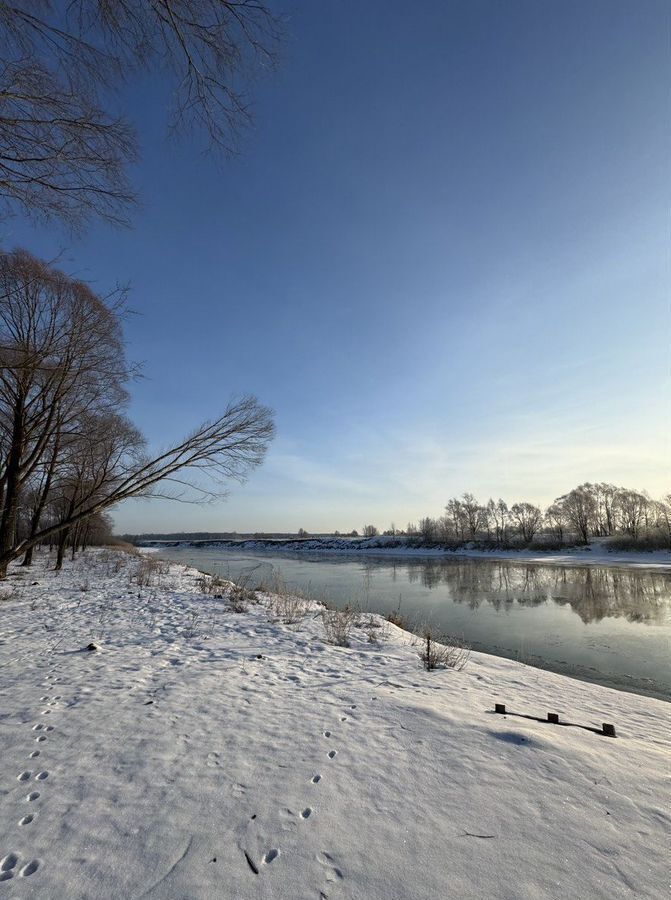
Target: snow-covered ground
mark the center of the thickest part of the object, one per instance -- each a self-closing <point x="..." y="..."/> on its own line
<point x="597" y="553"/>
<point x="203" y="753"/>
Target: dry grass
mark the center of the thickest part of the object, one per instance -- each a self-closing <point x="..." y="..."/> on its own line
<point x="149" y="570"/>
<point x="374" y="628"/>
<point x="338" y="624"/>
<point x="446" y="653"/>
<point x="287" y="608"/>
<point x="214" y="586"/>
<point x="397" y="619"/>
<point x="240" y="597"/>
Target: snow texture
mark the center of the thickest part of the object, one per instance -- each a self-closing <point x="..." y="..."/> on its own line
<point x="195" y="752"/>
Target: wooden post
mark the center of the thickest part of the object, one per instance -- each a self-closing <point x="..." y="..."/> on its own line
<point x="500" y="708"/>
<point x="554" y="718"/>
<point x="609" y="729"/>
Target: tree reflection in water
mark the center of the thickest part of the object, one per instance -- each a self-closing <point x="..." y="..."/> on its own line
<point x="592" y="592"/>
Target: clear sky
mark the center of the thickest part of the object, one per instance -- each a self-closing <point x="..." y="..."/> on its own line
<point x="442" y="258"/>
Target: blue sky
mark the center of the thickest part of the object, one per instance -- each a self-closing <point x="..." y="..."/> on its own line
<point x="441" y="257"/>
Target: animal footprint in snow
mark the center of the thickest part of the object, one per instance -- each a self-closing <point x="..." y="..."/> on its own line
<point x="316" y="779"/>
<point x="40" y="738"/>
<point x="213" y="760"/>
<point x="41" y="776"/>
<point x="306" y="813"/>
<point x="7" y="866"/>
<point x="33" y="795"/>
<point x="26" y="820"/>
<point x="333" y="754"/>
<point x="333" y="873"/>
<point x="34" y="754"/>
<point x="24" y="776"/>
<point x="29" y="869"/>
<point x="327" y="734"/>
<point x="271" y="855"/>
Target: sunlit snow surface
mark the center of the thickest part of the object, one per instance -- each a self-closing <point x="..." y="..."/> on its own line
<point x="202" y="753"/>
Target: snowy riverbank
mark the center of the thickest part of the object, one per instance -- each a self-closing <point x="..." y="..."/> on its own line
<point x="596" y="554"/>
<point x="204" y="753"/>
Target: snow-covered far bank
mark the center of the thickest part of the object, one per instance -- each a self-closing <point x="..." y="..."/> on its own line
<point x="198" y="752"/>
<point x="596" y="553"/>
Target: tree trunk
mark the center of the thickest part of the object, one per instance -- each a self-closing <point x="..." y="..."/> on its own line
<point x="60" y="553"/>
<point x="10" y="512"/>
<point x="75" y="541"/>
<point x="39" y="506"/>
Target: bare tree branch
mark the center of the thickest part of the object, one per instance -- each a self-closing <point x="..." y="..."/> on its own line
<point x="62" y="154"/>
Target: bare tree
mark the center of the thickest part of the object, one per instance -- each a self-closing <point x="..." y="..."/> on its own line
<point x="63" y="153"/>
<point x="61" y="355"/>
<point x="428" y="529"/>
<point x="580" y="508"/>
<point x="90" y="469"/>
<point x="64" y="440"/>
<point x="499" y="515"/>
<point x="664" y="517"/>
<point x="605" y="498"/>
<point x="475" y="515"/>
<point x="370" y="531"/>
<point x="455" y="512"/>
<point x="445" y="529"/>
<point x="632" y="511"/>
<point x="528" y="518"/>
<point x="557" y="519"/>
<point x="226" y="448"/>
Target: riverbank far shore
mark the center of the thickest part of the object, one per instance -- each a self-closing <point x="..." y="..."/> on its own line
<point x="157" y="743"/>
<point x="596" y="554"/>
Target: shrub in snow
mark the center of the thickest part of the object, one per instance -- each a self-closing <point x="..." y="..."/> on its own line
<point x="449" y="653"/>
<point x="338" y="624"/>
<point x="148" y="571"/>
<point x="213" y="585"/>
<point x="240" y="597"/>
<point x="287" y="608"/>
<point x="372" y="626"/>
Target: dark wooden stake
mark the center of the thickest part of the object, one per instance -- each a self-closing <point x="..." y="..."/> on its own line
<point x="554" y="718"/>
<point x="500" y="708"/>
<point x="609" y="729"/>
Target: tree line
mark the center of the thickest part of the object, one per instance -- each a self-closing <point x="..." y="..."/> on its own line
<point x="591" y="510"/>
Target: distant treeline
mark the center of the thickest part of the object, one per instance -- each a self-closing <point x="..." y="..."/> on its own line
<point x="631" y="518"/>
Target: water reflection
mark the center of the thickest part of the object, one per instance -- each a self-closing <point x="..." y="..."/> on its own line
<point x="592" y="592"/>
